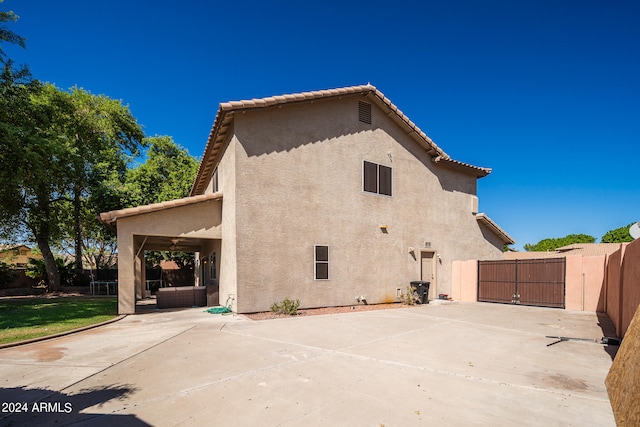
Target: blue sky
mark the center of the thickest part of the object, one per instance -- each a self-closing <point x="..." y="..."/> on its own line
<point x="546" y="93"/>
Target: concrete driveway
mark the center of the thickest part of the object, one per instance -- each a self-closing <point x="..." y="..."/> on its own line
<point x="437" y="364"/>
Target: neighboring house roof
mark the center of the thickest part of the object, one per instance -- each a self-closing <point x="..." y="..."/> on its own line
<point x="581" y="249"/>
<point x="111" y="216"/>
<point x="17" y="255"/>
<point x="532" y="255"/>
<point x="590" y="249"/>
<point x="488" y="222"/>
<point x="224" y="120"/>
<point x="5" y="247"/>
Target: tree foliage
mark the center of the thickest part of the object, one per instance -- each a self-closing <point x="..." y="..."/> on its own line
<point x="551" y="244"/>
<point x="66" y="156"/>
<point x="37" y="270"/>
<point x="167" y="173"/>
<point x="108" y="137"/>
<point x="8" y="36"/>
<point x="52" y="143"/>
<point x="618" y="235"/>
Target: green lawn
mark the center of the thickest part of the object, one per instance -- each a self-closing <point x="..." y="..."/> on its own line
<point x="25" y="318"/>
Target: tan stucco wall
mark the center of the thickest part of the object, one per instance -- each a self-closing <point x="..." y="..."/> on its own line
<point x="299" y="183"/>
<point x="227" y="263"/>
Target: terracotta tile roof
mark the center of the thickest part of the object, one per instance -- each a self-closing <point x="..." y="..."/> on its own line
<point x="463" y="167"/>
<point x="576" y="249"/>
<point x="224" y="119"/>
<point x="532" y="255"/>
<point x="488" y="222"/>
<point x="112" y="216"/>
<point x="590" y="249"/>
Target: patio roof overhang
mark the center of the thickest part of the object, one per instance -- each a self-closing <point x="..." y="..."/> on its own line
<point x="173" y="244"/>
<point x="488" y="222"/>
<point x="111" y="218"/>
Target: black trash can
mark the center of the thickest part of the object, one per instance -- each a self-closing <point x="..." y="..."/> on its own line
<point x="422" y="289"/>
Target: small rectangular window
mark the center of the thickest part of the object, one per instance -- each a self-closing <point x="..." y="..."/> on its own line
<point x="377" y="179"/>
<point x="321" y="260"/>
<point x="214" y="181"/>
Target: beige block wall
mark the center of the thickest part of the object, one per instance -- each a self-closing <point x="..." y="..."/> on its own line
<point x="299" y="183"/>
<point x="584" y="282"/>
<point x="465" y="281"/>
<point x="630" y="284"/>
<point x="585" y="278"/>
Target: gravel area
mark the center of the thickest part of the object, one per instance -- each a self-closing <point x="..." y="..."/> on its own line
<point x="324" y="310"/>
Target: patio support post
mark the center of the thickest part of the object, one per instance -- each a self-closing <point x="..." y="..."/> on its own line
<point x="126" y="272"/>
<point x="140" y="274"/>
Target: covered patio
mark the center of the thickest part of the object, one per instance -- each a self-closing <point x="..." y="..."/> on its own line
<point x="191" y="224"/>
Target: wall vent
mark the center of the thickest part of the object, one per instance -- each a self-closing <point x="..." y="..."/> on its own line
<point x="364" y="112"/>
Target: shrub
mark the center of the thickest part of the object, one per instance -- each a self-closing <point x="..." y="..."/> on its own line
<point x="7" y="275"/>
<point x="287" y="306"/>
<point x="409" y="296"/>
<point x="36" y="270"/>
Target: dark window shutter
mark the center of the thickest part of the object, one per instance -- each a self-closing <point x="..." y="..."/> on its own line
<point x="322" y="271"/>
<point x="322" y="253"/>
<point x="370" y="177"/>
<point x="385" y="180"/>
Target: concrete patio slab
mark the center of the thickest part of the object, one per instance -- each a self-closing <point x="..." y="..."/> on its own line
<point x="449" y="364"/>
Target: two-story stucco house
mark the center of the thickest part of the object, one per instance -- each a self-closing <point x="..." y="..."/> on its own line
<point x="327" y="197"/>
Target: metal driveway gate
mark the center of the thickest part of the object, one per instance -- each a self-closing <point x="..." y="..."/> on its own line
<point x="539" y="282"/>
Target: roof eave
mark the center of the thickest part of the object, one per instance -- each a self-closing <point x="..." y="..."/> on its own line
<point x="223" y="123"/>
<point x="477" y="171"/>
<point x="110" y="218"/>
<point x="488" y="222"/>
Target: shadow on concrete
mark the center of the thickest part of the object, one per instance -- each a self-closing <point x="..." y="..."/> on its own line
<point x="23" y="406"/>
<point x="608" y="330"/>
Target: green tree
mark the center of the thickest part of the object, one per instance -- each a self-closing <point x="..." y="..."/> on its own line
<point x="106" y="136"/>
<point x="551" y="244"/>
<point x="33" y="165"/>
<point x="10" y="73"/>
<point x="619" y="235"/>
<point x="36" y="269"/>
<point x="8" y="36"/>
<point x="53" y="143"/>
<point x="167" y="174"/>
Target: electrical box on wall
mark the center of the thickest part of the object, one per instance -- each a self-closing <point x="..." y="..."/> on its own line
<point x="474" y="204"/>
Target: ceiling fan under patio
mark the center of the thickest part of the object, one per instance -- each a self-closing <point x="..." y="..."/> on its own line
<point x="174" y="244"/>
